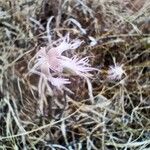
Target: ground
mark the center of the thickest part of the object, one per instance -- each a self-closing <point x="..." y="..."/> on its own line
<point x="95" y="114"/>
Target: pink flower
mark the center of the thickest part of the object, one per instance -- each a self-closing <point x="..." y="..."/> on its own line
<point x="64" y="44"/>
<point x="59" y="82"/>
<point x="51" y="60"/>
<point x="115" y="72"/>
<point x="78" y="66"/>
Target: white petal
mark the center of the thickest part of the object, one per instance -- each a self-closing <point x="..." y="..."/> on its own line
<point x="59" y="82"/>
<point x="80" y="67"/>
<point x="115" y="72"/>
<point x="66" y="43"/>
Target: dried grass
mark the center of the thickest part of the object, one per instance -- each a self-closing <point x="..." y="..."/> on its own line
<point x="101" y="114"/>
